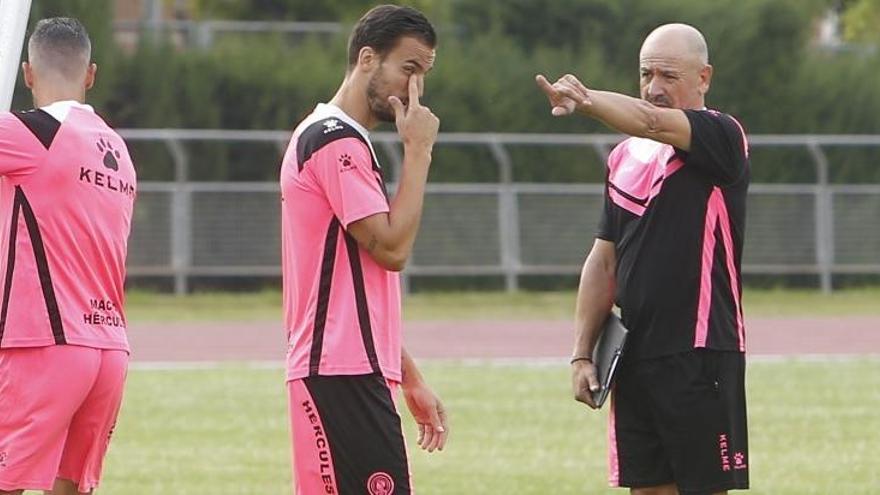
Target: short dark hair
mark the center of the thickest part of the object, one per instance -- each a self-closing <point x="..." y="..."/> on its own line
<point x="63" y="41"/>
<point x="383" y="26"/>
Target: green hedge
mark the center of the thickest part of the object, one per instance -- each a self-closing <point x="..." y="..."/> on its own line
<point x="767" y="74"/>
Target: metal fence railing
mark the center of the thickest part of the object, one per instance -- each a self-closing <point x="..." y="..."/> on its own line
<point x="507" y="229"/>
<point x="203" y="34"/>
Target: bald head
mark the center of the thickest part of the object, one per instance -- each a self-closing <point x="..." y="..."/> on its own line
<point x="677" y="40"/>
<point x="674" y="68"/>
<point x="60" y="49"/>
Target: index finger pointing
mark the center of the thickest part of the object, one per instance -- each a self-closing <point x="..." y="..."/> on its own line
<point x="545" y="85"/>
<point x="414" y="81"/>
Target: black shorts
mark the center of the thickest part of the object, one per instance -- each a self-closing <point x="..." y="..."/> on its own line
<point x="347" y="436"/>
<point x="680" y="419"/>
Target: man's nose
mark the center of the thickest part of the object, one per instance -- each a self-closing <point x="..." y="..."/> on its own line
<point x="654" y="88"/>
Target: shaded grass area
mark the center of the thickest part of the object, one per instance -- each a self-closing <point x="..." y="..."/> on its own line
<point x="813" y="430"/>
<point x="147" y="306"/>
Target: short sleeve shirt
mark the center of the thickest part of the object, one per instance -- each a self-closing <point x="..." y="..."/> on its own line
<point x="341" y="308"/>
<point x="677" y="220"/>
<point x="67" y="192"/>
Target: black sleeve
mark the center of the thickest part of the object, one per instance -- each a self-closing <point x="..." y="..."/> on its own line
<point x="718" y="146"/>
<point x="606" y="231"/>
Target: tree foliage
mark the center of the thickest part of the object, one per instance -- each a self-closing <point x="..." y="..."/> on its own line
<point x="861" y="19"/>
<point x="766" y="71"/>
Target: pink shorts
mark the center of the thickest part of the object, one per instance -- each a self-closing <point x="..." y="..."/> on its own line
<point x="58" y="407"/>
<point x="347" y="436"/>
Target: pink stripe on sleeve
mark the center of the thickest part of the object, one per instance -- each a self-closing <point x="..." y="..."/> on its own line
<point x="745" y="139"/>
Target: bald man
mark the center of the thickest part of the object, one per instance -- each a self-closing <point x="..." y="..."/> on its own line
<point x="67" y="189"/>
<point x="668" y="253"/>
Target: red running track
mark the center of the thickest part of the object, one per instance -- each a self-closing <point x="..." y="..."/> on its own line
<point x="264" y="340"/>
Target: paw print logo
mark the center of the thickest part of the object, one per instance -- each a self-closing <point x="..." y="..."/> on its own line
<point x="345" y="160"/>
<point x="111" y="155"/>
<point x="3" y="458"/>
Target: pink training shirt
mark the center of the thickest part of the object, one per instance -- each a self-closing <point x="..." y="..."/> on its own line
<point x="341" y="308"/>
<point x="67" y="189"/>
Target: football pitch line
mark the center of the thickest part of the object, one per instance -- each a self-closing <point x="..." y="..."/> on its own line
<point x="538" y="362"/>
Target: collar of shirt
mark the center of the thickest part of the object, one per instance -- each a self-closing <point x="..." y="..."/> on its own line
<point x="60" y="109"/>
<point x="333" y="110"/>
<point x="329" y="110"/>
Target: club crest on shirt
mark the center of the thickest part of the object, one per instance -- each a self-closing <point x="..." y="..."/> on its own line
<point x="332" y="125"/>
<point x="380" y="484"/>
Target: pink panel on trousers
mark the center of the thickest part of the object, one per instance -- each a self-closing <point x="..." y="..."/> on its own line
<point x="313" y="468"/>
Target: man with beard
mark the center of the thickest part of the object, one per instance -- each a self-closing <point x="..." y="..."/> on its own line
<point x="344" y="240"/>
<point x="668" y="252"/>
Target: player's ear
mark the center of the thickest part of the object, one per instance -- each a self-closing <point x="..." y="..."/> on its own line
<point x="368" y="59"/>
<point x="90" y="75"/>
<point x="27" y="72"/>
<point x="705" y="78"/>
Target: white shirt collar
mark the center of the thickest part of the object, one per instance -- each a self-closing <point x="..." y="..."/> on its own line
<point x="60" y="109"/>
<point x="333" y="110"/>
<point x="324" y="110"/>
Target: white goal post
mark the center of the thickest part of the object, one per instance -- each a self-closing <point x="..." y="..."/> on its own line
<point x="13" y="23"/>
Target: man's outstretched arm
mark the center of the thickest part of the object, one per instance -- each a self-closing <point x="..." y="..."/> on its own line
<point x="622" y="113"/>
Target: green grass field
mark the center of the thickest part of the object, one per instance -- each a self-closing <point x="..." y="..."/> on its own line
<point x="814" y="429"/>
<point x="145" y="306"/>
<point x="814" y="425"/>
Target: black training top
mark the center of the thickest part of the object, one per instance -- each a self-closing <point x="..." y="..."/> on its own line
<point x="677" y="220"/>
